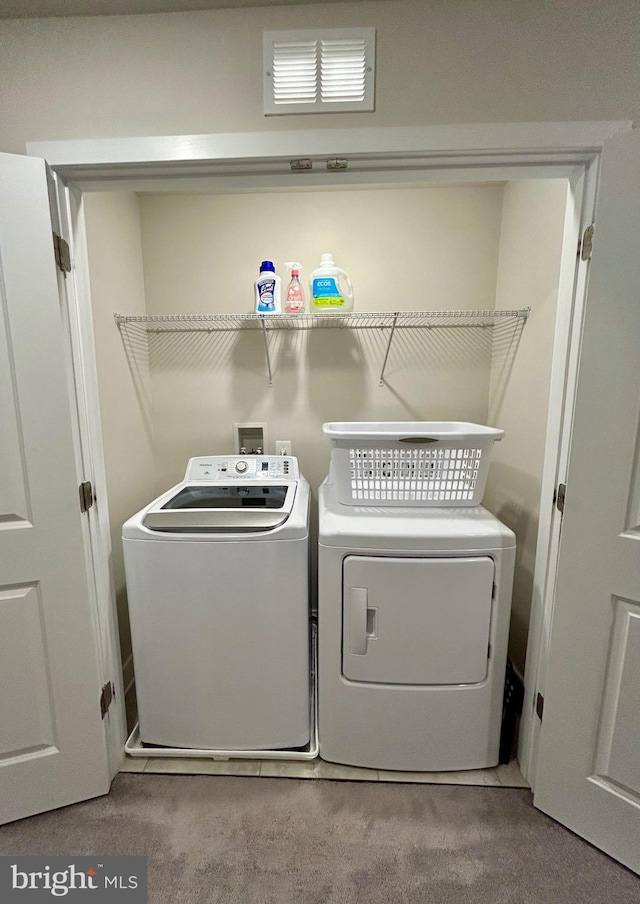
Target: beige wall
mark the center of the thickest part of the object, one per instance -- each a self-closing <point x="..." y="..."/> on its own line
<point x="438" y="62"/>
<point x="528" y="273"/>
<point x="117" y="283"/>
<point x="430" y="248"/>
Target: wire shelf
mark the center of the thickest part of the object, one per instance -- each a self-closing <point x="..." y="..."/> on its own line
<point x="159" y="323"/>
<point x="387" y="320"/>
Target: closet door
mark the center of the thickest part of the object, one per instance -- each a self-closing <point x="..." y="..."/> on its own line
<point x="416" y="620"/>
<point x="52" y="740"/>
<point x="588" y="768"/>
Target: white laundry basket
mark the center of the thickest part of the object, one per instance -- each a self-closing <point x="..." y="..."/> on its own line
<point x="411" y="463"/>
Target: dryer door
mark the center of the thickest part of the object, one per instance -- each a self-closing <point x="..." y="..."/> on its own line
<point x="416" y="621"/>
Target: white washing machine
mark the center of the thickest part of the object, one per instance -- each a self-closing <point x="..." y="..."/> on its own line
<point x="413" y="608"/>
<point x="217" y="573"/>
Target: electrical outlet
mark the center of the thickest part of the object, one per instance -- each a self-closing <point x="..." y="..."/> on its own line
<point x="283" y="447"/>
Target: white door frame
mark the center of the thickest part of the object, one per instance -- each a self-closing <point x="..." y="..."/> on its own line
<point x="245" y="161"/>
<point x="87" y="408"/>
<point x="566" y="351"/>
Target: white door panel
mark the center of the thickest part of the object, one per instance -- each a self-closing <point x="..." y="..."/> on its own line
<point x="27" y="722"/>
<point x="588" y="773"/>
<point x="52" y="744"/>
<point x="416" y="620"/>
<point x="618" y="751"/>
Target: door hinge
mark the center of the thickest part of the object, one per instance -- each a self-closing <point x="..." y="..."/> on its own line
<point x="301" y="166"/>
<point x="559" y="496"/>
<point x="86" y="496"/>
<point x="585" y="245"/>
<point x="62" y="253"/>
<point x="106" y="696"/>
<point x="337" y="163"/>
<point x="539" y="706"/>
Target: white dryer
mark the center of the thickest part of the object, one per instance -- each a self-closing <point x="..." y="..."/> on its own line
<point x="413" y="620"/>
<point x="217" y="573"/>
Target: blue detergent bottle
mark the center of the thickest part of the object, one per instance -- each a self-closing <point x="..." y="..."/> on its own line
<point x="267" y="290"/>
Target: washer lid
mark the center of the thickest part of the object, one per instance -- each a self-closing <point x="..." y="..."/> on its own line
<point x="216" y="506"/>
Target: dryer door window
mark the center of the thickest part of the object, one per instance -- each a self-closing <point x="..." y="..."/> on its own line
<point x="416" y="621"/>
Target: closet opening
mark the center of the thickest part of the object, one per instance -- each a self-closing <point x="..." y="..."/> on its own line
<point x="172" y="386"/>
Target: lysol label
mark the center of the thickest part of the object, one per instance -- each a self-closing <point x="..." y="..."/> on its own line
<point x="266" y="293"/>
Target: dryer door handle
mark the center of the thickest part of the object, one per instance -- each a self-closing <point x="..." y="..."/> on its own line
<point x="358" y="621"/>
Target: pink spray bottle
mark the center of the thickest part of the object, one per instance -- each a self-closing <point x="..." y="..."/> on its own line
<point x="294" y="300"/>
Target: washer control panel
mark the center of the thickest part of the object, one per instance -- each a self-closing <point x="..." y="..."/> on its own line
<point x="245" y="467"/>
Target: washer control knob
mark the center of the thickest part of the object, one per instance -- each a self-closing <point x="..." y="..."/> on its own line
<point x="241" y="466"/>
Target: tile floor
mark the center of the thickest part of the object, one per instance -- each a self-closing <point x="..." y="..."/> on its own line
<point x="507" y="776"/>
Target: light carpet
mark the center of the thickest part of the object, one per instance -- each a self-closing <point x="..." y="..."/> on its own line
<point x="239" y="840"/>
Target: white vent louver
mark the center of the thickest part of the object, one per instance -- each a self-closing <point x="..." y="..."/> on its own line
<point x="295" y="72"/>
<point x="319" y="71"/>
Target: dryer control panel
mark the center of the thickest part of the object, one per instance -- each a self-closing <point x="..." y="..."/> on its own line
<point x="243" y="467"/>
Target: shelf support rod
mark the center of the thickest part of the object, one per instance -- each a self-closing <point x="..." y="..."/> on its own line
<point x="386" y="356"/>
<point x="266" y="350"/>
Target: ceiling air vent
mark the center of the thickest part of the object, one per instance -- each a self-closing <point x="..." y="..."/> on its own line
<point x="319" y="71"/>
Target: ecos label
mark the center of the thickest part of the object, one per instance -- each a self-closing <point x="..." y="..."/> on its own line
<point x="325" y="292"/>
<point x="103" y="880"/>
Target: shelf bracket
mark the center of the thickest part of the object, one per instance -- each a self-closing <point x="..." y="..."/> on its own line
<point x="386" y="355"/>
<point x="266" y="350"/>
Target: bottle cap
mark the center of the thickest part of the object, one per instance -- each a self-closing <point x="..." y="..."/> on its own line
<point x="326" y="258"/>
<point x="267" y="265"/>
